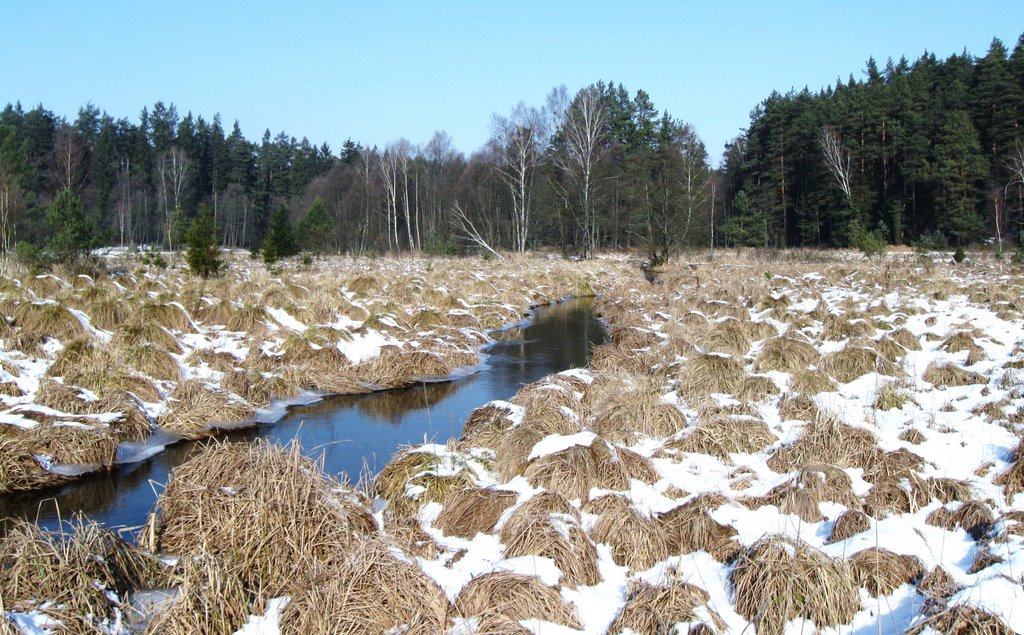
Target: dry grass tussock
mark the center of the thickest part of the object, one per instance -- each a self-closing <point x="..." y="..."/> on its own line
<point x="1012" y="479"/>
<point x="786" y="354"/>
<point x="827" y="440"/>
<point x="727" y="336"/>
<point x="811" y="382"/>
<point x="704" y="374"/>
<point x="531" y="530"/>
<point x="851" y="362"/>
<point x="881" y="571"/>
<point x="370" y="590"/>
<point x="779" y="578"/>
<point x="78" y="577"/>
<point x="473" y="510"/>
<point x="416" y="476"/>
<point x="209" y="599"/>
<point x="135" y="333"/>
<point x="48" y="319"/>
<point x="637" y="541"/>
<point x="722" y="435"/>
<point x="552" y="406"/>
<point x="690" y="527"/>
<point x="516" y="597"/>
<point x="848" y="524"/>
<point x="195" y="406"/>
<point x="573" y="471"/>
<point x="962" y="618"/>
<point x="267" y="512"/>
<point x="812" y="485"/>
<point x="974" y="517"/>
<point x="943" y="375"/>
<point x="626" y="406"/>
<point x="659" y="608"/>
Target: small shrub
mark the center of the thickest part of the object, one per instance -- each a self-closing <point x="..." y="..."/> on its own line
<point x="959" y="255"/>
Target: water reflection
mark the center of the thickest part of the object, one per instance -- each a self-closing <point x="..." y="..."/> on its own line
<point x="351" y="433"/>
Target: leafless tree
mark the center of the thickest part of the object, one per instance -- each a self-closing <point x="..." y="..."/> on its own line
<point x="388" y="170"/>
<point x="124" y="203"/>
<point x="469" y="231"/>
<point x="68" y="153"/>
<point x="695" y="177"/>
<point x="518" y="142"/>
<point x="837" y="160"/>
<point x="10" y="200"/>
<point x="582" y="129"/>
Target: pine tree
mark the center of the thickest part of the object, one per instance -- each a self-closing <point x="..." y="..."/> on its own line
<point x="960" y="168"/>
<point x="203" y="252"/>
<point x="280" y="243"/>
<point x="70" y="235"/>
<point x="316" y="228"/>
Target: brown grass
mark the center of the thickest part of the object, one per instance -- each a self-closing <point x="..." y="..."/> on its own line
<point x="962" y="618"/>
<point x="837" y="327"/>
<point x="949" y="374"/>
<point x="786" y="354"/>
<point x="727" y="336"/>
<point x="574" y="471"/>
<point x="937" y="583"/>
<point x="656" y="609"/>
<point x="704" y="374"/>
<point x="131" y="334"/>
<point x="757" y="388"/>
<point x="795" y="406"/>
<point x="169" y="316"/>
<point x="418" y="467"/>
<point x="974" y="517"/>
<point x="1012" y="479"/>
<point x="626" y="406"/>
<point x="881" y="571"/>
<point x="854" y="361"/>
<point x="516" y="597"/>
<point x="636" y="541"/>
<point x="690" y="527"/>
<point x="849" y="524"/>
<point x="369" y="591"/>
<point x="75" y="444"/>
<point x="473" y="510"/>
<point x="827" y="440"/>
<point x="532" y="531"/>
<point x="210" y="599"/>
<point x="268" y="512"/>
<point x="905" y="338"/>
<point x="48" y="319"/>
<point x="65" y="574"/>
<point x="194" y="406"/>
<point x="722" y="435"/>
<point x="778" y="579"/>
<point x="811" y="382"/>
<point x="152" y="361"/>
<point x="812" y="485"/>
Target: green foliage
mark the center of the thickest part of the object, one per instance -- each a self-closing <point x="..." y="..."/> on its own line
<point x="870" y="243"/>
<point x="933" y="241"/>
<point x="203" y="254"/>
<point x="959" y="255"/>
<point x="33" y="258"/>
<point x="71" y="234"/>
<point x="280" y="243"/>
<point x="316" y="229"/>
<point x="745" y="228"/>
<point x="152" y="257"/>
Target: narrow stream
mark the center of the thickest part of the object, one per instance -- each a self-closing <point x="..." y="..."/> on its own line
<point x="353" y="433"/>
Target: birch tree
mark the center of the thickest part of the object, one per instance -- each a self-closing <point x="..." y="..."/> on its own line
<point x="582" y="133"/>
<point x="837" y="160"/>
<point x="518" y="143"/>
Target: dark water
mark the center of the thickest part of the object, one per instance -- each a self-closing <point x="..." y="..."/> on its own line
<point x="352" y="433"/>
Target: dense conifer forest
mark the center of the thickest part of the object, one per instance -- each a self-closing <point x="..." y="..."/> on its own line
<point x="926" y="151"/>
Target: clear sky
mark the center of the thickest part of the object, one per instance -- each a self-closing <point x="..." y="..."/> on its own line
<point x="375" y="71"/>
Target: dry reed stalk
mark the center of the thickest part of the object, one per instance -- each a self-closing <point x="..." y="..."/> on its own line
<point x="48" y="319"/>
<point x="849" y="524"/>
<point x="949" y="374"/>
<point x="249" y="318"/>
<point x="724" y="435"/>
<point x="636" y="541"/>
<point x="812" y="485"/>
<point x="516" y="597"/>
<point x="705" y="374"/>
<point x="962" y="618"/>
<point x="690" y="527"/>
<point x="79" y="576"/>
<point x="881" y="571"/>
<point x="56" y="395"/>
<point x="778" y="579"/>
<point x="267" y="512"/>
<point x="948" y="490"/>
<point x="531" y="531"/>
<point x="913" y="435"/>
<point x="407" y="534"/>
<point x="18" y="469"/>
<point x="827" y="440"/>
<point x="473" y="510"/>
<point x="368" y="591"/>
<point x="194" y="406"/>
<point x="654" y="609"/>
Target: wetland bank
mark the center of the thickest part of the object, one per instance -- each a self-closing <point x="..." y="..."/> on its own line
<point x="770" y="439"/>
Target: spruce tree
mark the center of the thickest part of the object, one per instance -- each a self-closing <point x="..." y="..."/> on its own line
<point x="70" y="235"/>
<point x="316" y="227"/>
<point x="203" y="252"/>
<point x="280" y="243"/>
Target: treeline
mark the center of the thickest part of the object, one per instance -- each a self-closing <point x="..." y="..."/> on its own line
<point x="927" y="151"/>
<point x="598" y="169"/>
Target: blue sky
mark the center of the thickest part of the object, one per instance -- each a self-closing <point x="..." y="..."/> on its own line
<point x="377" y="71"/>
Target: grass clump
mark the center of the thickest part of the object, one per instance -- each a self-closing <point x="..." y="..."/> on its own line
<point x="516" y="597"/>
<point x="849" y="524"/>
<point x="812" y="485"/>
<point x="195" y="406"/>
<point x="962" y="618"/>
<point x="722" y="435"/>
<point x="690" y="527"/>
<point x="881" y="571"/>
<point x="627" y="406"/>
<point x="658" y="608"/>
<point x="778" y="579"/>
<point x="419" y="475"/>
<point x="531" y="530"/>
<point x="827" y="440"/>
<point x="473" y="510"/>
<point x="786" y="354"/>
<point x="48" y="319"/>
<point x="943" y="375"/>
<point x="267" y="512"/>
<point x="705" y="374"/>
<point x="854" y="361"/>
<point x="637" y="541"/>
